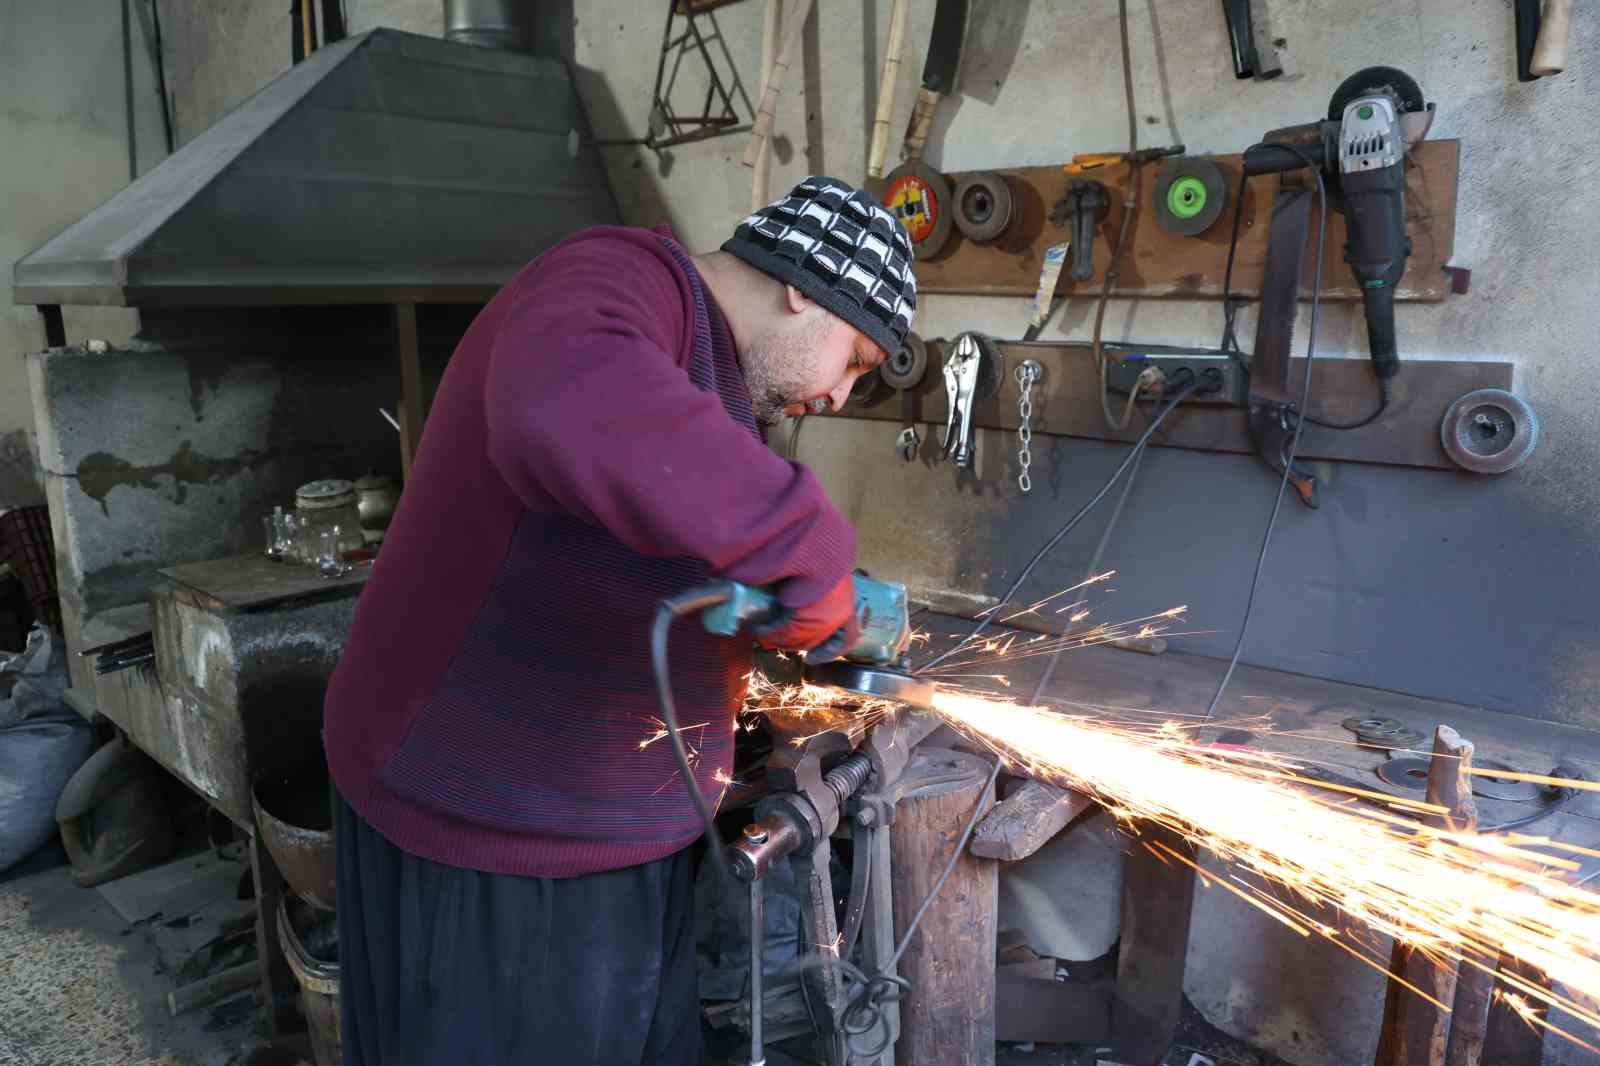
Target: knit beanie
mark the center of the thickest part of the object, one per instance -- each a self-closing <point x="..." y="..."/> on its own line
<point x="841" y="248"/>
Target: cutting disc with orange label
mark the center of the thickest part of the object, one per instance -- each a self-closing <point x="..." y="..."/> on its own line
<point x="919" y="197"/>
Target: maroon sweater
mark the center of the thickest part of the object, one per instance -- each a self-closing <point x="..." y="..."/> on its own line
<point x="590" y="450"/>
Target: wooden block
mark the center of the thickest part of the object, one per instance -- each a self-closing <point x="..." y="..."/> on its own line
<point x="1341" y="390"/>
<point x="1157" y="899"/>
<point x="1037" y="969"/>
<point x="1026" y="821"/>
<point x="1158" y="263"/>
<point x="1011" y="946"/>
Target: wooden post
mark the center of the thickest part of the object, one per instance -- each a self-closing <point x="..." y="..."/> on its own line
<point x="788" y="48"/>
<point x="879" y="147"/>
<point x="1157" y="900"/>
<point x="278" y="986"/>
<point x="761" y="183"/>
<point x="948" y="1016"/>
<point x="1469" y="1018"/>
<point x="1416" y="1032"/>
<point x="409" y="349"/>
<point x="1509" y="1039"/>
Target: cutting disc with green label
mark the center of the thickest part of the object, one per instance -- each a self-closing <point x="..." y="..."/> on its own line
<point x="1190" y="195"/>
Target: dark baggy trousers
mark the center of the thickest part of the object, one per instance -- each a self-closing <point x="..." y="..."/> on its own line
<point x="441" y="966"/>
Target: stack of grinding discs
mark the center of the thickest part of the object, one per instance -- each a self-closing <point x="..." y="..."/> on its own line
<point x="1190" y="195"/>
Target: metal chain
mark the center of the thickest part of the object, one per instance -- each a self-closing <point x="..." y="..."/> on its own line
<point x="1027" y="374"/>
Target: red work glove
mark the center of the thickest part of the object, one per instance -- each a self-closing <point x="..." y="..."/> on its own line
<point x="809" y="627"/>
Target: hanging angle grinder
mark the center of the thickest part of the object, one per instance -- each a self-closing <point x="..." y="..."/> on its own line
<point x="1359" y="151"/>
<point x="1374" y="116"/>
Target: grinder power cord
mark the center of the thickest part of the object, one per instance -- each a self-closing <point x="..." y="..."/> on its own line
<point x="1292" y="443"/>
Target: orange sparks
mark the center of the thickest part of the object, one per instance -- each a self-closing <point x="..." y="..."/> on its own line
<point x="1453" y="895"/>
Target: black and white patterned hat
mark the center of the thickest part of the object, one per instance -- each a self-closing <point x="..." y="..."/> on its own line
<point x="842" y="249"/>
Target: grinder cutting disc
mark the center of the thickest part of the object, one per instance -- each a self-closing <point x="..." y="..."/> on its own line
<point x="879" y="681"/>
<point x="1190" y="195"/>
<point x="919" y="197"/>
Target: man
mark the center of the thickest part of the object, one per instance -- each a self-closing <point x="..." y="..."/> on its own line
<point x="514" y="880"/>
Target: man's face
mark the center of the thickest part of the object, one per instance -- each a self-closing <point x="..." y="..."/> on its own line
<point x="808" y="357"/>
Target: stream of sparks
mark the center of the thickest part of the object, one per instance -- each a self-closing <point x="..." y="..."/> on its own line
<point x="1301" y="850"/>
<point x="1451" y="895"/>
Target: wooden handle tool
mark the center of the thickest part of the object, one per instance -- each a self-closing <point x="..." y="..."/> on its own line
<point x="793" y="23"/>
<point x="1550" y="53"/>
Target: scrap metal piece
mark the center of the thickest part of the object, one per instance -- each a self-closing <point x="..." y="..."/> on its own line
<point x="1489" y="431"/>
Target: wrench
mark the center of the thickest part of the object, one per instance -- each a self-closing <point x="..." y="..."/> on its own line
<point x="910" y="441"/>
<point x="960" y="385"/>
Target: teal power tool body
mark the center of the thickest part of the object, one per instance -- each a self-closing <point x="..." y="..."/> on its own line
<point x="875" y="665"/>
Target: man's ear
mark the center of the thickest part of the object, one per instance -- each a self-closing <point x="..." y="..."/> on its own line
<point x="798" y="301"/>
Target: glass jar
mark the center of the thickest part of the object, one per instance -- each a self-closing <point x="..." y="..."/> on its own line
<point x="376" y="499"/>
<point x="327" y="505"/>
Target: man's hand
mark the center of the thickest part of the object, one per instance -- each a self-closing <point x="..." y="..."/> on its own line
<point x="816" y="624"/>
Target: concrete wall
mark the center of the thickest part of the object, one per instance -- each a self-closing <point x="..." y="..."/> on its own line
<point x="1419" y="581"/>
<point x="63" y="125"/>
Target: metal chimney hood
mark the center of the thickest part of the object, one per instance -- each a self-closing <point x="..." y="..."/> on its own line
<point x="387" y="168"/>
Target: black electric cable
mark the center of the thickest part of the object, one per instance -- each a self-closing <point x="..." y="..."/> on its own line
<point x="670" y="610"/>
<point x="1094" y="565"/>
<point x="1230" y="302"/>
<point x="1067" y="527"/>
<point x="1299" y="424"/>
<point x="1562" y="799"/>
<point x="1385" y="394"/>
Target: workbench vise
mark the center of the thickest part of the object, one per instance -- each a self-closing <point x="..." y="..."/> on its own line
<point x="819" y="779"/>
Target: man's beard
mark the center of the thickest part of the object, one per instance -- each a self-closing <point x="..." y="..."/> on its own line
<point x="781" y="367"/>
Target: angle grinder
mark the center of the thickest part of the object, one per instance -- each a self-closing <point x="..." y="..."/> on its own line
<point x="1373" y="117"/>
<point x="876" y="665"/>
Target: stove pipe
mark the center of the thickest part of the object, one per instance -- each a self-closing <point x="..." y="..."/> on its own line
<point x="504" y="24"/>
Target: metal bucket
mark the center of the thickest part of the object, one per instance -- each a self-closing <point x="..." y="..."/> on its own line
<point x="319" y="993"/>
<point x="295" y="821"/>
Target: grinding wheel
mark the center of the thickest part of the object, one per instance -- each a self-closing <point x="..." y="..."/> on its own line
<point x="919" y="197"/>
<point x="880" y="682"/>
<point x="1408" y="771"/>
<point x="864" y="393"/>
<point x="984" y="206"/>
<point x="1503" y="788"/>
<point x="1489" y="431"/>
<point x="1190" y="195"/>
<point x="1402" y="86"/>
<point x="1378" y="732"/>
<point x="906" y="367"/>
